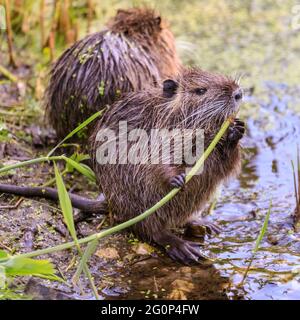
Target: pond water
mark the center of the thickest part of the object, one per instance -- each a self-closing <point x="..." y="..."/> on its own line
<point x="267" y="176"/>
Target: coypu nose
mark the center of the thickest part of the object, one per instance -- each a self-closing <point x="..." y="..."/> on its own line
<point x="238" y="94"/>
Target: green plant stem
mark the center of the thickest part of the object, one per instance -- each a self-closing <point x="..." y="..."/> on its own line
<point x="142" y="216"/>
<point x="295" y="182"/>
<point x="77" y="129"/>
<point x="30" y="162"/>
<point x="52" y="181"/>
<point x="257" y="243"/>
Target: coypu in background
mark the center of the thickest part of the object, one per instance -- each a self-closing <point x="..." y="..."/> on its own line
<point x="136" y="50"/>
<point x="193" y="100"/>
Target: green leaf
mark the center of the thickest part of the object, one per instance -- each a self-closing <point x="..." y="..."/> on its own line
<point x="65" y="203"/>
<point x="20" y="266"/>
<point x="2" y="277"/>
<point x="83" y="169"/>
<point x="90" y="249"/>
<point x="3" y="254"/>
<point x="78" y="157"/>
<point x="51" y="277"/>
<point x="16" y="266"/>
<point x="77" y="129"/>
<point x="66" y="207"/>
<point x="263" y="230"/>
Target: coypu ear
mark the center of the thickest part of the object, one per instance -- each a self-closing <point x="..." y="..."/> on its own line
<point x="120" y="11"/>
<point x="158" y="20"/>
<point x="169" y="88"/>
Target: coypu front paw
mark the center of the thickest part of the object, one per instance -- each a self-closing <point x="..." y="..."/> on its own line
<point x="235" y="132"/>
<point x="178" y="181"/>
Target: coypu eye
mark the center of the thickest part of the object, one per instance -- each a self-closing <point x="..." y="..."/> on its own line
<point x="200" y="91"/>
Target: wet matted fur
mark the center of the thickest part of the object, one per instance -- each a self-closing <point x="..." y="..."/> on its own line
<point x="135" y="51"/>
<point x="195" y="99"/>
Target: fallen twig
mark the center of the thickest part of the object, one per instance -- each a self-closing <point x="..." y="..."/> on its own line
<point x="7" y="74"/>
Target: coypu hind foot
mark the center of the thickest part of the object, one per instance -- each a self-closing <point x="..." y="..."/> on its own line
<point x="179" y="249"/>
<point x="235" y="132"/>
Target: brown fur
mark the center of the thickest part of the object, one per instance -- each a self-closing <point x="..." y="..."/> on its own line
<point x="131" y="189"/>
<point x="135" y="51"/>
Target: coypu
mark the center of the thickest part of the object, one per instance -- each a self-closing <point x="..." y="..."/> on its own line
<point x="136" y="50"/>
<point x="195" y="99"/>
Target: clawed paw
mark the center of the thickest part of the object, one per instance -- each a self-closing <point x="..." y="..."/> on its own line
<point x="196" y="229"/>
<point x="186" y="252"/>
<point x="236" y="131"/>
<point x="178" y="181"/>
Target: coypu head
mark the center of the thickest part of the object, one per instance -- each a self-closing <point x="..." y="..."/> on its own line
<point x="146" y="27"/>
<point x="136" y="21"/>
<point x="203" y="99"/>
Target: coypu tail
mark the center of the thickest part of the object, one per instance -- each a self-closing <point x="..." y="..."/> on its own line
<point x="87" y="205"/>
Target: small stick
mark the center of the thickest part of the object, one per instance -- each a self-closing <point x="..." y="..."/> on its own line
<point x="156" y="289"/>
<point x="42" y="11"/>
<point x="3" y="246"/>
<point x="53" y="29"/>
<point x="61" y="229"/>
<point x="101" y="223"/>
<point x="88" y="205"/>
<point x="71" y="264"/>
<point x="15" y="206"/>
<point x="89" y="15"/>
<point x="7" y="74"/>
<point x="12" y="61"/>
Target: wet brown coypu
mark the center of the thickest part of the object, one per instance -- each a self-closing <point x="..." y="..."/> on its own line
<point x="136" y="50"/>
<point x="196" y="100"/>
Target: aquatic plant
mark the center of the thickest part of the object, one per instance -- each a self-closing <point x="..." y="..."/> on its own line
<point x="296" y="177"/>
<point x="257" y="243"/>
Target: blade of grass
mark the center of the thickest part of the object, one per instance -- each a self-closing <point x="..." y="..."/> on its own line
<point x="30" y="162"/>
<point x="296" y="178"/>
<point x="298" y="165"/>
<point x="77" y="129"/>
<point x="83" y="169"/>
<point x="257" y="243"/>
<point x="90" y="249"/>
<point x="295" y="182"/>
<point x="263" y="229"/>
<point x="65" y="204"/>
<point x="67" y="210"/>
